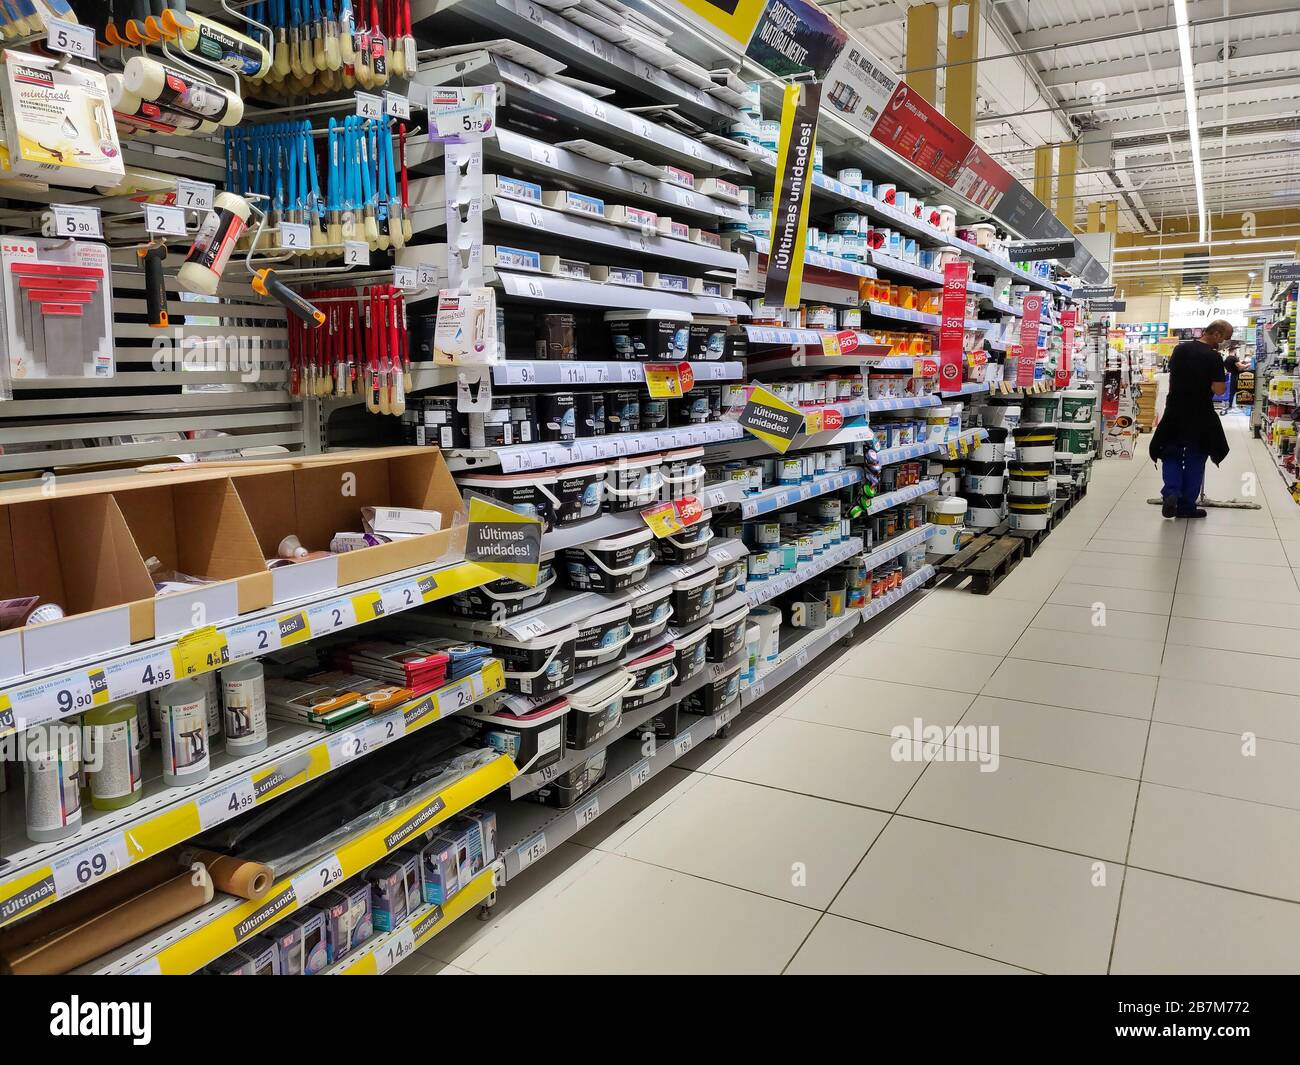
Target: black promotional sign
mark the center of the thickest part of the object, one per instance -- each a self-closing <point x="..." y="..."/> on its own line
<point x="1035" y="250"/>
<point x="1093" y="292"/>
<point x="794" y="172"/>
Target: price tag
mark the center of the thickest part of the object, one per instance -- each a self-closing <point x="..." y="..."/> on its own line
<point x="200" y="651"/>
<point x="396" y="950"/>
<point x="163" y="220"/>
<point x="427" y="275"/>
<point x="397" y="105"/>
<point x="587" y="814"/>
<point x="140" y="674"/>
<point x="246" y="641"/>
<point x="326" y="617"/>
<point x="195" y="195"/>
<point x="348" y="746"/>
<point x="317" y="880"/>
<point x="76" y="221"/>
<point x="682" y="744"/>
<point x="801" y="660"/>
<point x="295" y="236"/>
<point x="532" y="287"/>
<point x="69" y="38"/>
<point x="405" y="277"/>
<point x="532" y="851"/>
<point x="369" y="105"/>
<point x="544" y="154"/>
<point x="639" y="773"/>
<point x="356" y="253"/>
<point x="399" y="597"/>
<point x="90" y="863"/>
<point x="225" y="803"/>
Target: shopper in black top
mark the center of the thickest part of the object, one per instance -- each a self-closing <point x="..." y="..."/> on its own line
<point x="1232" y="365"/>
<point x="1189" y="431"/>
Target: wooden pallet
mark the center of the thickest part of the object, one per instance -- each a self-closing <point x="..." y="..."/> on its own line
<point x="1033" y="538"/>
<point x="986" y="560"/>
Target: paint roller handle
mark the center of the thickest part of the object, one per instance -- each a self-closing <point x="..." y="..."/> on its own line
<point x="265" y="283"/>
<point x="151" y="257"/>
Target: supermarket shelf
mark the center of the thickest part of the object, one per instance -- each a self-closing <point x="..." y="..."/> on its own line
<point x="567" y="609"/>
<point x="523" y="20"/>
<point x="890" y="455"/>
<point x="158" y="662"/>
<point x="1003" y="306"/>
<point x="759" y="592"/>
<point x="377" y="955"/>
<point x="544" y="455"/>
<point x="626" y="372"/>
<point x="907" y="224"/>
<point x="884" y="310"/>
<point x="903" y="403"/>
<point x="781" y="497"/>
<point x="968" y="388"/>
<point x="823" y="262"/>
<point x="856" y="362"/>
<point x="195" y="940"/>
<point x="1002" y="266"/>
<point x="891" y="265"/>
<point x="528" y="286"/>
<point x="722" y="494"/>
<point x="793" y="658"/>
<point x="38" y="874"/>
<point x="630" y="722"/>
<point x="771" y="334"/>
<point x="902" y="495"/>
<point x="529" y="831"/>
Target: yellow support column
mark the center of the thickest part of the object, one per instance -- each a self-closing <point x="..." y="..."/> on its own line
<point x="923" y="50"/>
<point x="1112" y="216"/>
<point x="959" y="75"/>
<point x="1043" y="158"/>
<point x="1066" y="164"/>
<point x="1094" y="217"/>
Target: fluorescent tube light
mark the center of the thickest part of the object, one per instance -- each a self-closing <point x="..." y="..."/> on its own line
<point x="1193" y="116"/>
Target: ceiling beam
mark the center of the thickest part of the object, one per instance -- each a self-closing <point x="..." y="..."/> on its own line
<point x="1130" y="23"/>
<point x="1101" y="69"/>
<point x="1211" y="111"/>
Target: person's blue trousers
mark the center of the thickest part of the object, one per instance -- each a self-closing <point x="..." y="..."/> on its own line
<point x="1183" y="468"/>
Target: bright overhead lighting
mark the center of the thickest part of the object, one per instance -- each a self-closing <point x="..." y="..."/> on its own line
<point x="1193" y="116"/>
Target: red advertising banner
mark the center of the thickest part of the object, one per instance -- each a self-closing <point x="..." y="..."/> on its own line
<point x="981" y="180"/>
<point x="952" y="327"/>
<point x="1032" y="306"/>
<point x="912" y="128"/>
<point x="1069" y="319"/>
<point x="1062" y="379"/>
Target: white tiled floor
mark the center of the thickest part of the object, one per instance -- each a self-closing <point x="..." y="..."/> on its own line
<point x="1141" y="815"/>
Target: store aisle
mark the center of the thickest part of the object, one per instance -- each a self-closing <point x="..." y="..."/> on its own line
<point x="1133" y="804"/>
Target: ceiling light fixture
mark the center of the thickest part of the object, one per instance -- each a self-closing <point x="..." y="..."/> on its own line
<point x="1193" y="116"/>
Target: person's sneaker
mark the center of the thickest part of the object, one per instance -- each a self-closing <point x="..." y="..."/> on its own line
<point x="1197" y="513"/>
<point x="1169" y="507"/>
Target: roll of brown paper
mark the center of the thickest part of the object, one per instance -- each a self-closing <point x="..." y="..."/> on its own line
<point x="234" y="876"/>
<point x="65" y="950"/>
<point x="76" y="909"/>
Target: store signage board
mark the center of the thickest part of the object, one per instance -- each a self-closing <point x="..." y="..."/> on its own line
<point x="1038" y="250"/>
<point x="1107" y="306"/>
<point x="732" y="19"/>
<point x="795" y="37"/>
<point x="771" y="419"/>
<point x="794" y="168"/>
<point x="952" y="328"/>
<point x="911" y="127"/>
<point x="1284" y="272"/>
<point x="503" y="540"/>
<point x="1093" y="292"/>
<point x="859" y="86"/>
<point x="1197" y="314"/>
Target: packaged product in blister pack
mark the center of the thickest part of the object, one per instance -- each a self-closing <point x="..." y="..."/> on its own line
<point x="58" y="321"/>
<point x="58" y="122"/>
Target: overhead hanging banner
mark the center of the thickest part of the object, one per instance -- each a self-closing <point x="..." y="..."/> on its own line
<point x="859" y="86"/>
<point x="794" y="171"/>
<point x="795" y="37"/>
<point x="771" y="419"/>
<point x="1037" y="250"/>
<point x="952" y="328"/>
<point x="1284" y="272"/>
<point x="1107" y="306"/>
<point x="1093" y="292"/>
<point x="731" y="18"/>
<point x="912" y="128"/>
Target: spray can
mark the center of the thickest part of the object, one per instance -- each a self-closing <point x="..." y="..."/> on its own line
<point x="243" y="689"/>
<point x="110" y="734"/>
<point x="183" y="717"/>
<point x="51" y="781"/>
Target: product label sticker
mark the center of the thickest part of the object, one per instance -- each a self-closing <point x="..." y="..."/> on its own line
<point x="462" y="113"/>
<point x="200" y="651"/>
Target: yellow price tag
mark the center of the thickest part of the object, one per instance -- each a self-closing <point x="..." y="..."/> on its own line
<point x="952" y="449"/>
<point x="663" y="519"/>
<point x="663" y="380"/>
<point x="831" y="345"/>
<point x="368" y="605"/>
<point x="813" y="422"/>
<point x="200" y="651"/>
